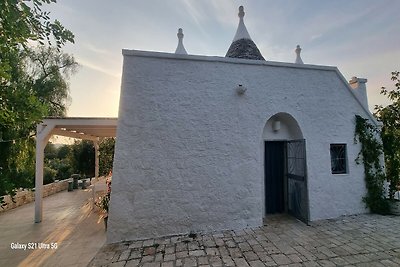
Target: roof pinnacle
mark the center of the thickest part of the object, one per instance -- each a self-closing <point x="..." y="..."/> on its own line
<point x="241" y="12"/>
<point x="298" y="58"/>
<point x="180" y="49"/>
<point x="242" y="46"/>
<point x="241" y="32"/>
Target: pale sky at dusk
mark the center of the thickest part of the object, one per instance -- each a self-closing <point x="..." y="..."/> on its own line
<point x="360" y="37"/>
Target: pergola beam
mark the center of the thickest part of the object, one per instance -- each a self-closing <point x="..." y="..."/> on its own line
<point x="74" y="135"/>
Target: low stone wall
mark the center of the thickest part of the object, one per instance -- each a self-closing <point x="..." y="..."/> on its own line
<point x="26" y="196"/>
<point x="55" y="187"/>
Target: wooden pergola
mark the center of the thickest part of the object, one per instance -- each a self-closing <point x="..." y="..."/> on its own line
<point x="94" y="129"/>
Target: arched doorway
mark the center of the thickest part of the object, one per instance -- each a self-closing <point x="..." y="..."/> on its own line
<point x="285" y="176"/>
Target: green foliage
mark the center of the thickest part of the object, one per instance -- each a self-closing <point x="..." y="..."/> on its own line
<point x="56" y="159"/>
<point x="82" y="157"/>
<point x="390" y="133"/>
<point x="36" y="89"/>
<point x="17" y="172"/>
<point x="49" y="71"/>
<point x="79" y="158"/>
<point x="370" y="155"/>
<point x="49" y="175"/>
<point x="24" y="21"/>
<point x="50" y="151"/>
<point x="63" y="152"/>
<point x="32" y="84"/>
<point x="106" y="158"/>
<point x="62" y="167"/>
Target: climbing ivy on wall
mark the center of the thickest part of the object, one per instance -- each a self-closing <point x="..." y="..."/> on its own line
<point x="370" y="156"/>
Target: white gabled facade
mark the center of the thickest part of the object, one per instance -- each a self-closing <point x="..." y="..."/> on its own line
<point x="190" y="142"/>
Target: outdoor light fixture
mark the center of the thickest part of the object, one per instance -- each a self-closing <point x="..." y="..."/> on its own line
<point x="240" y="89"/>
<point x="276" y="126"/>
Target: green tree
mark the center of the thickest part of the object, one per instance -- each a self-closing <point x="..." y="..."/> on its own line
<point x="49" y="175"/>
<point x="49" y="71"/>
<point x="106" y="157"/>
<point x="50" y="151"/>
<point x="390" y="132"/>
<point x="63" y="152"/>
<point x="25" y="81"/>
<point x="82" y="157"/>
<point x="24" y="21"/>
<point x="57" y="164"/>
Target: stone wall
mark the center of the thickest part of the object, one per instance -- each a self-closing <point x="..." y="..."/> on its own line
<point x="26" y="196"/>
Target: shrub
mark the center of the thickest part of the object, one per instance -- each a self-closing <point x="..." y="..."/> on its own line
<point x="62" y="167"/>
<point x="49" y="175"/>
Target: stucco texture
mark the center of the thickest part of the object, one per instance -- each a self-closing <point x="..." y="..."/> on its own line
<point x="189" y="152"/>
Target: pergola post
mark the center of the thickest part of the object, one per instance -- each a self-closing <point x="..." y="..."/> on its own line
<point x="43" y="134"/>
<point x="96" y="158"/>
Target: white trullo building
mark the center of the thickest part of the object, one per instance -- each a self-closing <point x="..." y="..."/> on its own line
<point x="210" y="143"/>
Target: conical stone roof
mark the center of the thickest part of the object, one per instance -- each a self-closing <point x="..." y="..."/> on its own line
<point x="242" y="46"/>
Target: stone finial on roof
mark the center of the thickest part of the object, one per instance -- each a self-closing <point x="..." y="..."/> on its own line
<point x="241" y="32"/>
<point x="298" y="57"/>
<point x="242" y="46"/>
<point x="180" y="49"/>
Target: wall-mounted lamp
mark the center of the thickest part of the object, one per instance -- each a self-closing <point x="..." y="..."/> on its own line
<point x="240" y="89"/>
<point x="276" y="126"/>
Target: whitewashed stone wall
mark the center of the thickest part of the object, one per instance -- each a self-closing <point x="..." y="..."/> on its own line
<point x="189" y="153"/>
